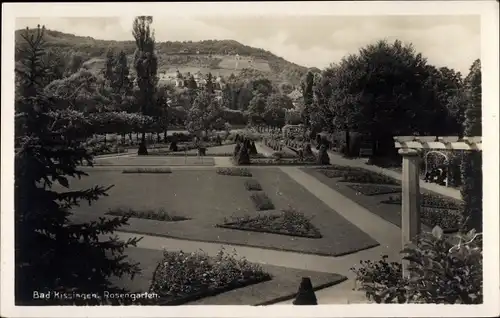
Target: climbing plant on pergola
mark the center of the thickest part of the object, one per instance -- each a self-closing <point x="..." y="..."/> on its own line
<point x="410" y="148"/>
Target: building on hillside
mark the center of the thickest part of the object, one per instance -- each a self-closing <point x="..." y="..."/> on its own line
<point x="179" y="79"/>
<point x="220" y="83"/>
<point x="296" y="97"/>
<point x="201" y="82"/>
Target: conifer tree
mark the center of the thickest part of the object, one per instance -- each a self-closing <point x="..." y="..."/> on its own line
<point x="52" y="253"/>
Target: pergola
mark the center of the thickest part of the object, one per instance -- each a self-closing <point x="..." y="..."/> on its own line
<point x="410" y="147"/>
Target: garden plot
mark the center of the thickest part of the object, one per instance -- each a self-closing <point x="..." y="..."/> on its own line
<point x="209" y="199"/>
<point x="436" y="209"/>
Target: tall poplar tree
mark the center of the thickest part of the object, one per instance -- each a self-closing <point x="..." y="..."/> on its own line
<point x="146" y="68"/>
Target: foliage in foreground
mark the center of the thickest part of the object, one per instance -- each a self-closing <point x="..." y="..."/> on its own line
<point x="49" y="249"/>
<point x="181" y="277"/>
<point x="441" y="272"/>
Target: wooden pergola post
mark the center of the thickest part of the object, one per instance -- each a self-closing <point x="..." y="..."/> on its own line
<point x="409" y="147"/>
<point x="410" y="203"/>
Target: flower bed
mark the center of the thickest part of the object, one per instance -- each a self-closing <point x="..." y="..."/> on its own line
<point x="368" y="177"/>
<point x="431" y="200"/>
<point x="147" y="170"/>
<point x="235" y="172"/>
<point x="373" y="189"/>
<point x="332" y="173"/>
<point x="274" y="162"/>
<point x="180" y="278"/>
<point x="336" y="167"/>
<point x="157" y="215"/>
<point x="261" y="201"/>
<point x="274" y="143"/>
<point x="253" y="185"/>
<point x="182" y="154"/>
<point x="289" y="222"/>
<point x="448" y="219"/>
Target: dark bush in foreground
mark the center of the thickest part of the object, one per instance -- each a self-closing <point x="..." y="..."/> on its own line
<point x="158" y="215"/>
<point x="261" y="201"/>
<point x="182" y="277"/>
<point x="147" y="170"/>
<point x="431" y="200"/>
<point x="289" y="222"/>
<point x="235" y="172"/>
<point x="253" y="185"/>
<point x="441" y="272"/>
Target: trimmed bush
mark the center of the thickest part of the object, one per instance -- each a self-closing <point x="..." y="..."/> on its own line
<point x="323" y="158"/>
<point x="288" y="222"/>
<point x="243" y="157"/>
<point x="147" y="170"/>
<point x="441" y="272"/>
<point x="181" y="277"/>
<point x="157" y="215"/>
<point x="253" y="185"/>
<point x="235" y="172"/>
<point x="261" y="201"/>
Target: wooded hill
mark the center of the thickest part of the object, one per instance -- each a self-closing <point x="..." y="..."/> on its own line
<point x="215" y="56"/>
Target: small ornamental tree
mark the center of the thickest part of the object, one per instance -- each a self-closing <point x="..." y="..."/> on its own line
<point x="51" y="253"/>
<point x="205" y="115"/>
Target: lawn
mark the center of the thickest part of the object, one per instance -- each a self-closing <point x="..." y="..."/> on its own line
<point x="208" y="199"/>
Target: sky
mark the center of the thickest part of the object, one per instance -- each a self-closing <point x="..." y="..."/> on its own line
<point x="312" y="41"/>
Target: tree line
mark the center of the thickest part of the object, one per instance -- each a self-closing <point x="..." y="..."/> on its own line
<point x="384" y="90"/>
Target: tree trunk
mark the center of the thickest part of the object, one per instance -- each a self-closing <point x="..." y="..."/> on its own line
<point x="130" y="136"/>
<point x="158" y="137"/>
<point x="165" y="136"/>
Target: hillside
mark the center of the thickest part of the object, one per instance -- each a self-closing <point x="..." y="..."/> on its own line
<point x="220" y="57"/>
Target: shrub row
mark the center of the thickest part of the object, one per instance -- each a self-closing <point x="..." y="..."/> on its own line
<point x="261" y="201"/>
<point x="147" y="170"/>
<point x="253" y="185"/>
<point x="158" y="215"/>
<point x="235" y="172"/>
